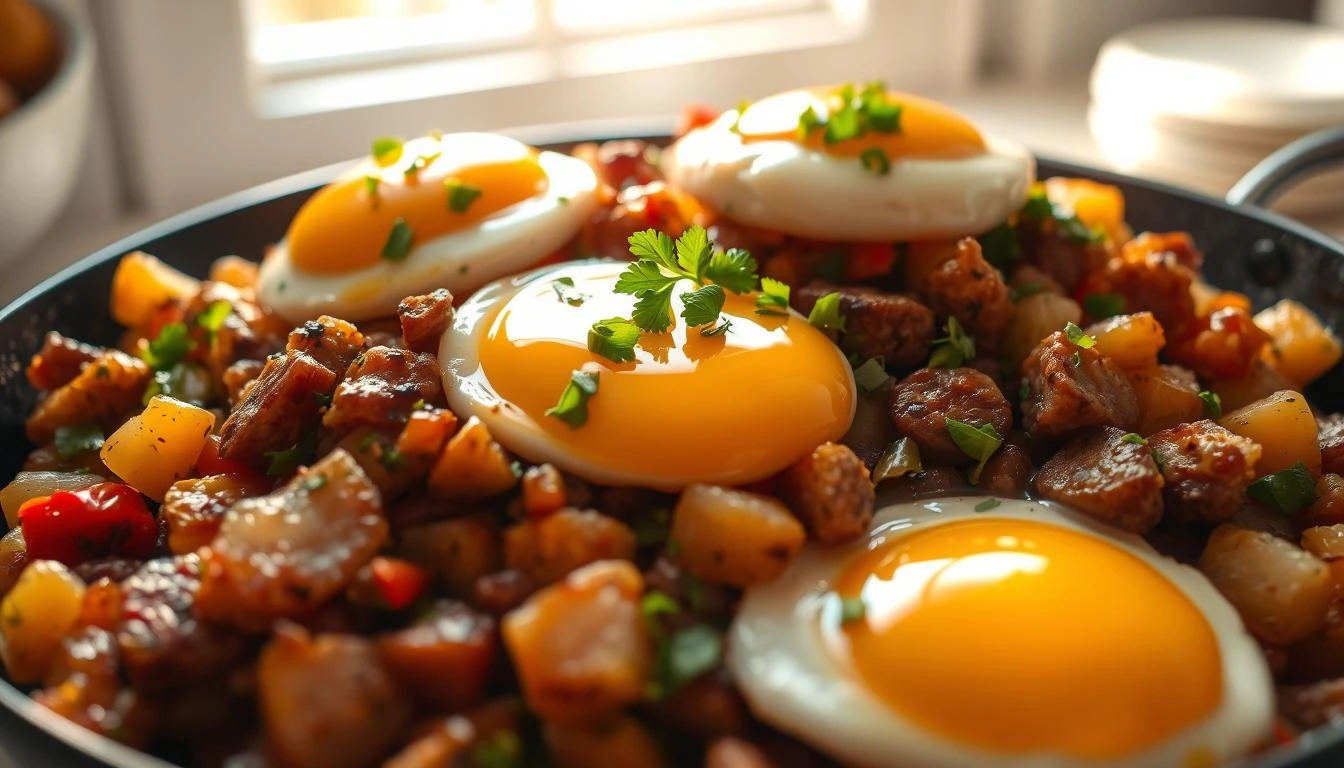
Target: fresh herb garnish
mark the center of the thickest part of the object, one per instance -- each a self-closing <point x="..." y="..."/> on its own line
<point x="702" y="306"/>
<point x="826" y="314"/>
<point x="953" y="350"/>
<point x="1077" y="337"/>
<point x="979" y="443"/>
<point x="614" y="339"/>
<point x="679" y="656"/>
<point x="725" y="325"/>
<point x="460" y="194"/>
<point x="398" y="245"/>
<point x="566" y="292"/>
<point x="1039" y="208"/>
<point x="1104" y="305"/>
<point x="900" y="458"/>
<point x="1134" y="438"/>
<point x="1017" y="293"/>
<point x="314" y="481"/>
<point x="774" y="298"/>
<point x="1288" y="491"/>
<point x="1000" y="247"/>
<point x="169" y="348"/>
<point x="502" y="749"/>
<point x="73" y="439"/>
<point x="661" y="264"/>
<point x="871" y="375"/>
<point x="572" y="408"/>
<point x="212" y="319"/>
<point x="852" y="609"/>
<point x="987" y="505"/>
<point x="371" y="183"/>
<point x="387" y="150"/>
<point x="282" y="463"/>
<point x="875" y="161"/>
<point x="1213" y="404"/>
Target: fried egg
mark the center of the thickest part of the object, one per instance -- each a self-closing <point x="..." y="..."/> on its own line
<point x="918" y="171"/>
<point x="731" y="408"/>
<point x="1001" y="633"/>
<point x="454" y="211"/>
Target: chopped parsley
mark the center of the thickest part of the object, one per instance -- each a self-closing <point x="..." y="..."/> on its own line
<point x="1104" y="305"/>
<point x="314" y="481"/>
<point x="371" y="183"/>
<point x="502" y="749"/>
<point x="661" y="264"/>
<point x="387" y="150"/>
<point x="73" y="439"/>
<point x="680" y="655"/>
<point x="169" y="348"/>
<point x="774" y="298"/>
<point x="953" y="350"/>
<point x="987" y="505"/>
<point x="1134" y="438"/>
<point x="1000" y="247"/>
<point x="702" y="306"/>
<point x="614" y="339"/>
<point x="852" y="609"/>
<point x="853" y="114"/>
<point x="212" y="319"/>
<point x="566" y="292"/>
<point x="572" y="408"/>
<point x="979" y="443"/>
<point x="1017" y="293"/>
<point x="900" y="458"/>
<point x="826" y="314"/>
<point x="398" y="245"/>
<point x="875" y="161"/>
<point x="1077" y="337"/>
<point x="1213" y="404"/>
<point x="1288" y="491"/>
<point x="1039" y="208"/>
<point x="871" y="375"/>
<point x="460" y="194"/>
<point x="283" y="463"/>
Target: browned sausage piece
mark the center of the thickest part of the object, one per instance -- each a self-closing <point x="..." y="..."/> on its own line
<point x="59" y="361"/>
<point x="283" y="402"/>
<point x="332" y="342"/>
<point x="830" y="491"/>
<point x="1206" y="469"/>
<point x="1331" y="430"/>
<point x="1151" y="275"/>
<point x="1069" y="387"/>
<point x="889" y="325"/>
<point x="238" y="376"/>
<point x="381" y="387"/>
<point x="1061" y="257"/>
<point x="922" y="402"/>
<point x="968" y="288"/>
<point x="424" y="319"/>
<point x="1007" y="472"/>
<point x="442" y="659"/>
<point x="1103" y="475"/>
<point x="104" y="393"/>
<point x="328" y="701"/>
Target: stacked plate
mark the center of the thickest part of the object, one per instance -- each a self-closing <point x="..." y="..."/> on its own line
<point x="1199" y="102"/>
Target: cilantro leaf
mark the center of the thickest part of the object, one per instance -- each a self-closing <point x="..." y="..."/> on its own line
<point x="871" y="374"/>
<point x="1104" y="305"/>
<point x="642" y="276"/>
<point x="1077" y="337"/>
<point x="168" y="348"/>
<point x="900" y="458"/>
<point x="843" y="124"/>
<point x="954" y="349"/>
<point x="852" y="609"/>
<point x="460" y="194"/>
<point x="774" y="297"/>
<point x="979" y="443"/>
<point x="1213" y="404"/>
<point x="826" y="314"/>
<point x="653" y="245"/>
<point x="884" y="116"/>
<point x="572" y="408"/>
<point x="653" y="309"/>
<point x="1134" y="438"/>
<point x="656" y="603"/>
<point x="1288" y="491"/>
<point x="212" y="319"/>
<point x="566" y="292"/>
<point x="875" y="161"/>
<point x="809" y="122"/>
<point x="987" y="505"/>
<point x="73" y="439"/>
<point x="386" y="150"/>
<point x="614" y="339"/>
<point x="398" y="245"/>
<point x="734" y="269"/>
<point x="703" y="305"/>
<point x="693" y="251"/>
<point x="1000" y="247"/>
<point x="689" y="653"/>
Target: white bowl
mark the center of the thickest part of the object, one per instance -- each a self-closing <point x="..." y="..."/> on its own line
<point x="42" y="143"/>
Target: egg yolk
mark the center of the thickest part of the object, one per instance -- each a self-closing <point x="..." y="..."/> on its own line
<point x="345" y="226"/>
<point x="925" y="128"/>
<point x="1016" y="636"/>
<point x="730" y="408"/>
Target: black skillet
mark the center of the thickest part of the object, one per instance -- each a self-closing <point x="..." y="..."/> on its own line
<point x="1247" y="249"/>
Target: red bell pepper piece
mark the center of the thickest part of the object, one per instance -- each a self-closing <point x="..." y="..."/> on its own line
<point x="99" y="521"/>
<point x="399" y="582"/>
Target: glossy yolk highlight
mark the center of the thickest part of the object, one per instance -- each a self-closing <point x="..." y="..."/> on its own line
<point x="1015" y="636"/>
<point x="927" y="129"/>
<point x="344" y="227"/>
<point x="728" y="409"/>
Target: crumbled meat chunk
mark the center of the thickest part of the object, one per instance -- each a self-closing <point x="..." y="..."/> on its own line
<point x="1331" y="436"/>
<point x="1206" y="469"/>
<point x="105" y="392"/>
<point x="381" y="387"/>
<point x="59" y="361"/>
<point x="922" y="402"/>
<point x="1151" y="277"/>
<point x="546" y="550"/>
<point x="1103" y="475"/>
<point x="333" y="343"/>
<point x="238" y="377"/>
<point x="968" y="288"/>
<point x="193" y="509"/>
<point x="1064" y="260"/>
<point x="889" y="325"/>
<point x="84" y="686"/>
<point x="1069" y="388"/>
<point x="443" y="659"/>
<point x="424" y="319"/>
<point x="283" y="402"/>
<point x="1007" y="472"/>
<point x="830" y="491"/>
<point x="248" y="331"/>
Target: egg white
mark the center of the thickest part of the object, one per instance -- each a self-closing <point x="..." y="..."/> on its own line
<point x="787" y="187"/>
<point x="511" y="240"/>
<point x="777" y="655"/>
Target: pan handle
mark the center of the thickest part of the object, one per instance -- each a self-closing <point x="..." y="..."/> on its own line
<point x="1272" y="176"/>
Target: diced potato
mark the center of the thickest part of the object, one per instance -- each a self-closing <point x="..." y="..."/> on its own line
<point x="142" y="284"/>
<point x="426" y="432"/>
<point x="159" y="446"/>
<point x="1130" y="341"/>
<point x="35" y="615"/>
<point x="1099" y="206"/>
<point x="1328" y="509"/>
<point x="1262" y="381"/>
<point x="546" y="550"/>
<point x="1038" y="316"/>
<point x="235" y="271"/>
<point x="1301" y="348"/>
<point x="1209" y="299"/>
<point x="624" y="741"/>
<point x="472" y="466"/>
<point x="543" y="491"/>
<point x="1327" y="543"/>
<point x="734" y="537"/>
<point x="456" y="552"/>
<point x="581" y="647"/>
<point x="13" y="559"/>
<point x="1167" y="396"/>
<point x="442" y="659"/>
<point x="1284" y="427"/>
<point x="1281" y="591"/>
<point x="194" y="509"/>
<point x="30" y="485"/>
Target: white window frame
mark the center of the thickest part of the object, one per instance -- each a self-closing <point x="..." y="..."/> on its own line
<point x="198" y="121"/>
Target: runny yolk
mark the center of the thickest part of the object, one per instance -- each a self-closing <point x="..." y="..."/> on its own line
<point x="1016" y="636"/>
<point x="344" y="227"/>
<point x="927" y="129"/>
<point x="729" y="409"/>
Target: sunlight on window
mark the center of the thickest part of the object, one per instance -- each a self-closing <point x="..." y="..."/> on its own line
<point x="588" y="15"/>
